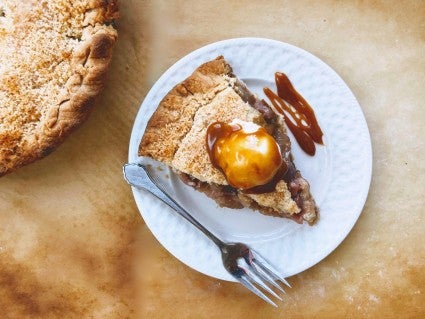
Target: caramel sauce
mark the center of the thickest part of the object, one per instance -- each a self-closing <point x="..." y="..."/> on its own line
<point x="216" y="131"/>
<point x="297" y="113"/>
<point x="251" y="161"/>
<point x="271" y="185"/>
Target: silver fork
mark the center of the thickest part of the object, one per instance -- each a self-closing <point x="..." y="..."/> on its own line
<point x="258" y="274"/>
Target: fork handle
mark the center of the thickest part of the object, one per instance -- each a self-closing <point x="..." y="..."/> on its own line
<point x="138" y="176"/>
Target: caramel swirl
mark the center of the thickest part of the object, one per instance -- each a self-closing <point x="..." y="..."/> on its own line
<point x="298" y="114"/>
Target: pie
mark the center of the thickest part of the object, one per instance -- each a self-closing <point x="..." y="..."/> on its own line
<point x="176" y="135"/>
<point x="53" y="58"/>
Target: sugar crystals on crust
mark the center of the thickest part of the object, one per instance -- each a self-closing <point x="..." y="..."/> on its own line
<point x="53" y="58"/>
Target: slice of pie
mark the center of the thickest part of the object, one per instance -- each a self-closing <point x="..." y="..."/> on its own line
<point x="176" y="135"/>
<point x="54" y="55"/>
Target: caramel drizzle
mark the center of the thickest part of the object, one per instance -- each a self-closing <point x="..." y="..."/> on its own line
<point x="297" y="113"/>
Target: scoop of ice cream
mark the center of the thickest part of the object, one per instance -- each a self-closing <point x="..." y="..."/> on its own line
<point x="245" y="152"/>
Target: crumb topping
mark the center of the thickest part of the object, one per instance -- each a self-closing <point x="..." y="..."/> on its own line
<point x="38" y="44"/>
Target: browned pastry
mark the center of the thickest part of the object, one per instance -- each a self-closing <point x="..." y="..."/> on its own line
<point x="53" y="58"/>
<point x="176" y="135"/>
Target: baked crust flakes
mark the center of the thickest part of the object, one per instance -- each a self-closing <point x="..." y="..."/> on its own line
<point x="54" y="55"/>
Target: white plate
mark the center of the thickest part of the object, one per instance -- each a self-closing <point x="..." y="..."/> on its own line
<point x="339" y="173"/>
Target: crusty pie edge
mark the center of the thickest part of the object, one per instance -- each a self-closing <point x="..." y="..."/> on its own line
<point x="74" y="106"/>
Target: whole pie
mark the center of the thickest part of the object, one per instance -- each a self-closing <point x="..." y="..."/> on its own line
<point x="53" y="58"/>
<point x="212" y="97"/>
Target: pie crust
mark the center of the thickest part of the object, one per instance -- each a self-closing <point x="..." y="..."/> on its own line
<point x="176" y="133"/>
<point x="54" y="55"/>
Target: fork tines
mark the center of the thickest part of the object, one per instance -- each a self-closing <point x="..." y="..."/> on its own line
<point x="267" y="268"/>
<point x="260" y="274"/>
